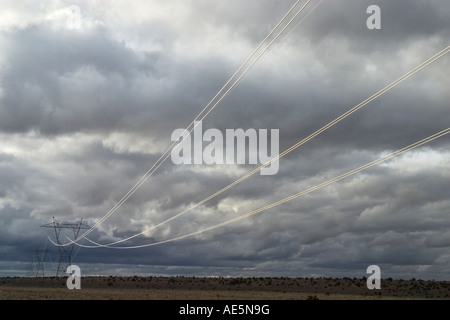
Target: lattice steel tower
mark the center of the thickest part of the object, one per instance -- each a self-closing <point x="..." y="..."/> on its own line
<point x="65" y="252"/>
<point x="36" y="267"/>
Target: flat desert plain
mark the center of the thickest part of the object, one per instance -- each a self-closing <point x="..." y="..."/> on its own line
<point x="220" y="288"/>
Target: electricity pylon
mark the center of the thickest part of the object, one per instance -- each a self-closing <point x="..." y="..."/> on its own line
<point x="65" y="251"/>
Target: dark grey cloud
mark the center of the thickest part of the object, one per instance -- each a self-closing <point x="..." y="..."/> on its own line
<point x="50" y="77"/>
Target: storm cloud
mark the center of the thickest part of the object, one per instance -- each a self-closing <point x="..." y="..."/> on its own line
<point x="85" y="112"/>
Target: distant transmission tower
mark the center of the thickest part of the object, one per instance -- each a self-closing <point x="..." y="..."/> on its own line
<point x="39" y="263"/>
<point x="36" y="267"/>
<point x="65" y="252"/>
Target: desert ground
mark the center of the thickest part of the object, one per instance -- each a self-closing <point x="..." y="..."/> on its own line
<point x="220" y="288"/>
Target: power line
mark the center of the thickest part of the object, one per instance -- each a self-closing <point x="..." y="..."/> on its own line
<point x="304" y="18"/>
<point x="294" y="196"/>
<point x="166" y="154"/>
<point x="295" y="146"/>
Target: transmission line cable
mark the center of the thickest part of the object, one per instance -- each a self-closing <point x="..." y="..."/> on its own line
<point x="296" y="195"/>
<point x="298" y="144"/>
<point x="166" y="154"/>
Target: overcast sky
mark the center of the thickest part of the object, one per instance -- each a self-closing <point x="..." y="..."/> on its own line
<point x="87" y="106"/>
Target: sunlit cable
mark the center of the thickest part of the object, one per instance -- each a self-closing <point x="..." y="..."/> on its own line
<point x="166" y="154"/>
<point x="295" y="146"/>
<point x="294" y="196"/>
